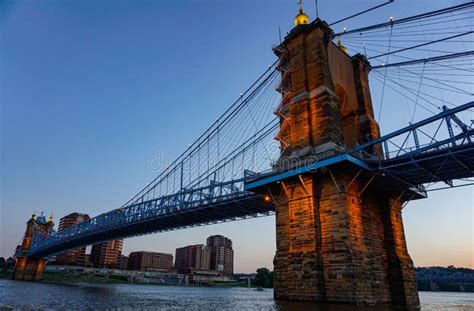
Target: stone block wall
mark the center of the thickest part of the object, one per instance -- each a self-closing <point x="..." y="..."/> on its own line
<point x="337" y="245"/>
<point x="337" y="241"/>
<point x="27" y="268"/>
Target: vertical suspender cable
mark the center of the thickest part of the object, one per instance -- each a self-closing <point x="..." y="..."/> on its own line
<point x="418" y="93"/>
<point x="385" y="74"/>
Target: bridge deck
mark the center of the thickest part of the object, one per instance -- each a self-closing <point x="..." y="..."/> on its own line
<point x="437" y="166"/>
<point x="405" y="173"/>
<point x="247" y="205"/>
<point x="407" y="168"/>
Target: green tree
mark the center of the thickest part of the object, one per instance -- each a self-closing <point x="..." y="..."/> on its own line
<point x="264" y="278"/>
<point x="10" y="263"/>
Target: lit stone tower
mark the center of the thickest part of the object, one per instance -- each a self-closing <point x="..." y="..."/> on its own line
<point x="27" y="268"/>
<point x="338" y="240"/>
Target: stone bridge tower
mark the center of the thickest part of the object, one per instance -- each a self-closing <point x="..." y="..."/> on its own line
<point x="27" y="268"/>
<point x="337" y="239"/>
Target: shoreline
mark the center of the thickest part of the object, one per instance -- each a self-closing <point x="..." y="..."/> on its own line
<point x="66" y="278"/>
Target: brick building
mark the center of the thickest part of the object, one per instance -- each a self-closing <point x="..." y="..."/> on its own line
<point x="222" y="254"/>
<point x="192" y="257"/>
<point x="144" y="261"/>
<point x="75" y="257"/>
<point x="107" y="254"/>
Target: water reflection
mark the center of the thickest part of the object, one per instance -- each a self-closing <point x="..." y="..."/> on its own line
<point x="292" y="306"/>
<point x="41" y="296"/>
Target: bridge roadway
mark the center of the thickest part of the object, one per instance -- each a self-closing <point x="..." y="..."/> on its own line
<point x="403" y="169"/>
<point x="219" y="202"/>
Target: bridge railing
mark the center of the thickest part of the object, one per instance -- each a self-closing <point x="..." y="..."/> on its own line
<point x="448" y="134"/>
<point x="444" y="130"/>
<point x="185" y="200"/>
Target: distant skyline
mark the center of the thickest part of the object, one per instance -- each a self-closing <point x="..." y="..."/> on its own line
<point x="93" y="92"/>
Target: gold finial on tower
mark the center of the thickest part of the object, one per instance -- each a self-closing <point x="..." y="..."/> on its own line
<point x="50" y="219"/>
<point x="301" y="18"/>
<point x="341" y="46"/>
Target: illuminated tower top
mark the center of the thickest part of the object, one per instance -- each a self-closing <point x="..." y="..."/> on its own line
<point x="301" y="18"/>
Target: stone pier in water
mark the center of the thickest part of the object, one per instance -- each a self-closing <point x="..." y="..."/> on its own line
<point x="338" y="240"/>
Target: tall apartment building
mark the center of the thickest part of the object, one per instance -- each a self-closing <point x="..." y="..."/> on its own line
<point x="149" y="261"/>
<point x="107" y="254"/>
<point x="75" y="257"/>
<point x="222" y="254"/>
<point x="193" y="257"/>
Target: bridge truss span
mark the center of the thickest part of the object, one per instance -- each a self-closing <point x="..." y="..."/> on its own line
<point x="437" y="149"/>
<point x="219" y="202"/>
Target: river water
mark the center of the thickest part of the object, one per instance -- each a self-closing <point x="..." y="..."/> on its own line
<point x="42" y="296"/>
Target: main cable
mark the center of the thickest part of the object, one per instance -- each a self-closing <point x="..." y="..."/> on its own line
<point x="409" y="19"/>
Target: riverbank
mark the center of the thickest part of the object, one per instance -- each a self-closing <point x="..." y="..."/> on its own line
<point x="98" y="278"/>
<point x="69" y="278"/>
<point x="5" y="274"/>
<point x="54" y="277"/>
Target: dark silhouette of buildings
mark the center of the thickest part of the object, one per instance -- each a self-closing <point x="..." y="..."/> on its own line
<point x="193" y="257"/>
<point x="88" y="263"/>
<point x="74" y="257"/>
<point x="123" y="265"/>
<point x="7" y="264"/>
<point x="144" y="261"/>
<point x="107" y="254"/>
<point x="222" y="254"/>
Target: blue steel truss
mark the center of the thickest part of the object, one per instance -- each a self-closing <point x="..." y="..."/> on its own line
<point x="220" y="201"/>
<point x="410" y="136"/>
<point x="439" y="148"/>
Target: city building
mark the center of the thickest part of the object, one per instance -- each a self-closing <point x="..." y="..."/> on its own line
<point x="107" y="254"/>
<point x="123" y="265"/>
<point x="149" y="261"/>
<point x="222" y="254"/>
<point x="193" y="257"/>
<point x="75" y="257"/>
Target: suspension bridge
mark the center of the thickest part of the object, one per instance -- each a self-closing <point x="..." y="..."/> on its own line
<point x="258" y="157"/>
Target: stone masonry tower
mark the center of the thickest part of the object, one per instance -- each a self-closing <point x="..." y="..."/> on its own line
<point x="337" y="239"/>
<point x="26" y="268"/>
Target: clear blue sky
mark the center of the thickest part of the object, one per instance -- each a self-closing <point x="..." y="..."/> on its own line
<point x="91" y="90"/>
